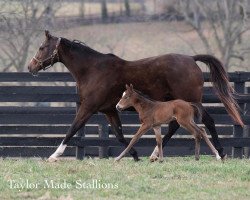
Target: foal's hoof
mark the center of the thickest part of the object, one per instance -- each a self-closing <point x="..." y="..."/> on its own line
<point x="160" y="160"/>
<point x="153" y="158"/>
<point x="51" y="159"/>
<point x="117" y="159"/>
<point x="218" y="157"/>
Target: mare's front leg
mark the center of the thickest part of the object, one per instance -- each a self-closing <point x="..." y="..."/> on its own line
<point x="82" y="116"/>
<point x="142" y="130"/>
<point x="116" y="126"/>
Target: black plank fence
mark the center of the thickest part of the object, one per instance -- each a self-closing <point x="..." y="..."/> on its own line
<point x="29" y="131"/>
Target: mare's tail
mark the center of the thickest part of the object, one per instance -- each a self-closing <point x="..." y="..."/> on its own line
<point x="221" y="84"/>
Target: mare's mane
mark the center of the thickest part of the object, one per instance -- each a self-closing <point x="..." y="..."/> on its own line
<point x="79" y="46"/>
<point x="82" y="47"/>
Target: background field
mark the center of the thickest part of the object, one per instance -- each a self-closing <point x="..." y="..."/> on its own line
<point x="125" y="37"/>
<point x="175" y="178"/>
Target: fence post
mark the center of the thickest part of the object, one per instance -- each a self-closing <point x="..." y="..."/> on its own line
<point x="80" y="151"/>
<point x="239" y="87"/>
<point x="103" y="130"/>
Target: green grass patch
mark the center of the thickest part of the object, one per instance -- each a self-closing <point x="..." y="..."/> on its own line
<point x="175" y="178"/>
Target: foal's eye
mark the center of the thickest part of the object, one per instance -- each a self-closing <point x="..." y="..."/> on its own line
<point x="126" y="97"/>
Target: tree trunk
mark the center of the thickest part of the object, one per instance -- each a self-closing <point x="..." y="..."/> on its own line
<point x="82" y="8"/>
<point x="127" y="8"/>
<point x="104" y="10"/>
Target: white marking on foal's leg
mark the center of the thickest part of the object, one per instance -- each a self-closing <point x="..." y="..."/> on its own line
<point x="217" y="156"/>
<point x="154" y="155"/>
<point x="59" y="151"/>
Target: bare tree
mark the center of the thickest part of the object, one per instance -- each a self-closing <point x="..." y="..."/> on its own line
<point x="225" y="19"/>
<point x="82" y="8"/>
<point x="104" y="10"/>
<point x="19" y="31"/>
<point x="127" y="7"/>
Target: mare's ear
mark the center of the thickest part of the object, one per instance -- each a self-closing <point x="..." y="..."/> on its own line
<point x="131" y="87"/>
<point x="47" y="34"/>
<point x="127" y="87"/>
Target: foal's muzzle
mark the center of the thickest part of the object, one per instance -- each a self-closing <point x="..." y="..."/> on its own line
<point x="118" y="108"/>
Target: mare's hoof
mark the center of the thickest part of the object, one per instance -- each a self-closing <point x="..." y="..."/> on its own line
<point x="153" y="158"/>
<point x="160" y="160"/>
<point x="51" y="159"/>
<point x="197" y="159"/>
<point x="136" y="158"/>
<point x="224" y="157"/>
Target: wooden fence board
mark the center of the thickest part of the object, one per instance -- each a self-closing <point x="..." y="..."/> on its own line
<point x="26" y="122"/>
<point x="105" y="142"/>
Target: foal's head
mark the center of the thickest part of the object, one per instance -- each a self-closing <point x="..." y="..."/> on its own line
<point x="127" y="98"/>
<point x="46" y="55"/>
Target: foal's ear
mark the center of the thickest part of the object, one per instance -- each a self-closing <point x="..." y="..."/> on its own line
<point x="127" y="87"/>
<point x="47" y="34"/>
<point x="131" y="87"/>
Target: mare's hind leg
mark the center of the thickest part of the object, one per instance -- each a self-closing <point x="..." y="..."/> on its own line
<point x="116" y="126"/>
<point x="173" y="126"/>
<point x="209" y="123"/>
<point x="204" y="135"/>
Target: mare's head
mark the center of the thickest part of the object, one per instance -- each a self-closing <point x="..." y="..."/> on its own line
<point x="127" y="98"/>
<point x="46" y="55"/>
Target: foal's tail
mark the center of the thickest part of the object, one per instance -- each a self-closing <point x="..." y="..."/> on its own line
<point x="221" y="84"/>
<point x="197" y="110"/>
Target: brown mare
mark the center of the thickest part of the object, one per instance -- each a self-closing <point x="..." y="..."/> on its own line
<point x="153" y="114"/>
<point x="101" y="78"/>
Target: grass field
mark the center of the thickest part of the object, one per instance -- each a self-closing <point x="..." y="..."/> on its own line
<point x="175" y="178"/>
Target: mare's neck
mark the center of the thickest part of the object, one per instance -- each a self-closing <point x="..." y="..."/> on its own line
<point x="78" y="58"/>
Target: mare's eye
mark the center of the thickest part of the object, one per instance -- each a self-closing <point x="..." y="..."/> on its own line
<point x="43" y="47"/>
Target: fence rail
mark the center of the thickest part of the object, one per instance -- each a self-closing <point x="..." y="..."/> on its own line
<point x="38" y="130"/>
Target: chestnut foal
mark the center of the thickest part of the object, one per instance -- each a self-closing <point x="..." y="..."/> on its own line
<point x="154" y="113"/>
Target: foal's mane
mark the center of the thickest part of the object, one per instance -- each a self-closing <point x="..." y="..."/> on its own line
<point x="143" y="95"/>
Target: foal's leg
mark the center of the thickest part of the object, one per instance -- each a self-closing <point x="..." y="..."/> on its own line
<point x="209" y="123"/>
<point x="173" y="126"/>
<point x="82" y="116"/>
<point x="197" y="146"/>
<point x="142" y="130"/>
<point x="157" y="131"/>
<point x="116" y="126"/>
<point x="191" y="127"/>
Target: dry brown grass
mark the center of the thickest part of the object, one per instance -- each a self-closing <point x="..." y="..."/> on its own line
<point x="91" y="8"/>
<point x="134" y="41"/>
